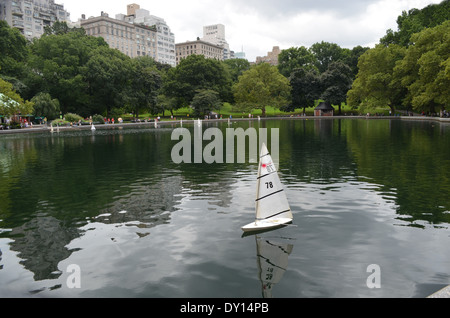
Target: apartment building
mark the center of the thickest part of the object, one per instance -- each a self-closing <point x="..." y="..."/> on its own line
<point x="165" y="41"/>
<point x="131" y="39"/>
<point x="32" y="16"/>
<point x="215" y="34"/>
<point x="147" y="43"/>
<point x="271" y="57"/>
<point x="198" y="47"/>
<point x="135" y="34"/>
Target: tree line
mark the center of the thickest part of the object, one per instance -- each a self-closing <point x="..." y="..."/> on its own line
<point x="67" y="71"/>
<point x="410" y="68"/>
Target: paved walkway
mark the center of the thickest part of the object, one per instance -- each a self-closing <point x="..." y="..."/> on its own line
<point x="42" y="128"/>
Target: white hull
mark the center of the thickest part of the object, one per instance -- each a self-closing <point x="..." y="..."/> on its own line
<point x="266" y="224"/>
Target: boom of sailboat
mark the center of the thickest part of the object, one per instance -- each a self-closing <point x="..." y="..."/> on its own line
<point x="272" y="206"/>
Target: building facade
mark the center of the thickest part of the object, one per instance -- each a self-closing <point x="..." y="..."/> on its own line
<point x="32" y="16"/>
<point x="165" y="41"/>
<point x="131" y="39"/>
<point x="215" y="34"/>
<point x="271" y="58"/>
<point x="198" y="47"/>
<point x="324" y="109"/>
<point x="135" y="34"/>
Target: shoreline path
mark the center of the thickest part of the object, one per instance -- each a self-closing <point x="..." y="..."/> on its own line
<point x="44" y="128"/>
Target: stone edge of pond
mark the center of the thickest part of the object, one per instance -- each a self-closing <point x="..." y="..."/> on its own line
<point x="40" y="128"/>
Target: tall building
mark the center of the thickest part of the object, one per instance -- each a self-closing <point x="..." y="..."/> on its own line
<point x="215" y="34"/>
<point x="131" y="39"/>
<point x="199" y="47"/>
<point x="32" y="16"/>
<point x="165" y="41"/>
<point x="135" y="34"/>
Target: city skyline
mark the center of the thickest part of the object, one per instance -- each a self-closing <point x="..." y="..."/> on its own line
<point x="258" y="26"/>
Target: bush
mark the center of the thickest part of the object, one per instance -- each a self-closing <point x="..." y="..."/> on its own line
<point x="98" y="119"/>
<point x="14" y="125"/>
<point x="72" y="118"/>
<point x="45" y="106"/>
<point x="59" y="122"/>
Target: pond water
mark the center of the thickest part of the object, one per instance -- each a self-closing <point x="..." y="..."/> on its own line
<point x="109" y="214"/>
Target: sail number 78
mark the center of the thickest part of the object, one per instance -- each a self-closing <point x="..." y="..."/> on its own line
<point x="269" y="185"/>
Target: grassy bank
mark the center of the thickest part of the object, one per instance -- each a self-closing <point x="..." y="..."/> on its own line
<point x="225" y="111"/>
<point x="228" y="110"/>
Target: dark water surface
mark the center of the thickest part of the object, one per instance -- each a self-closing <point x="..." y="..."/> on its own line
<point x="112" y="203"/>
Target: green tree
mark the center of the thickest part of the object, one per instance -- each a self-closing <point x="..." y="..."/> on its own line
<point x="11" y="103"/>
<point x="45" y="106"/>
<point x="336" y="81"/>
<point x="57" y="64"/>
<point x="196" y="73"/>
<point x="236" y="67"/>
<point x="294" y="58"/>
<point x="352" y="58"/>
<point x="306" y="88"/>
<point x="144" y="85"/>
<point x="326" y="53"/>
<point x="13" y="50"/>
<point x="164" y="103"/>
<point x="205" y="101"/>
<point x="262" y="86"/>
<point x="416" y="20"/>
<point x="107" y="73"/>
<point x="424" y="71"/>
<point x="375" y="85"/>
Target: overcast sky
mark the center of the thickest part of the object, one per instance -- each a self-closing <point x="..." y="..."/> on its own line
<point x="258" y="25"/>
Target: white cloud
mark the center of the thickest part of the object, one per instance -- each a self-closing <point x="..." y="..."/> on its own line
<point x="258" y="25"/>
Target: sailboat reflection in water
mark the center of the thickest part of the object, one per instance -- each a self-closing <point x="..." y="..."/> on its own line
<point x="272" y="258"/>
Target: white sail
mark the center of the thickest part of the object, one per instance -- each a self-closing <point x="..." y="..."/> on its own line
<point x="271" y="200"/>
<point x="272" y="206"/>
<point x="272" y="263"/>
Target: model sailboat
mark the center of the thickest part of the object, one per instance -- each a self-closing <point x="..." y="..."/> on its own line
<point x="272" y="206"/>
